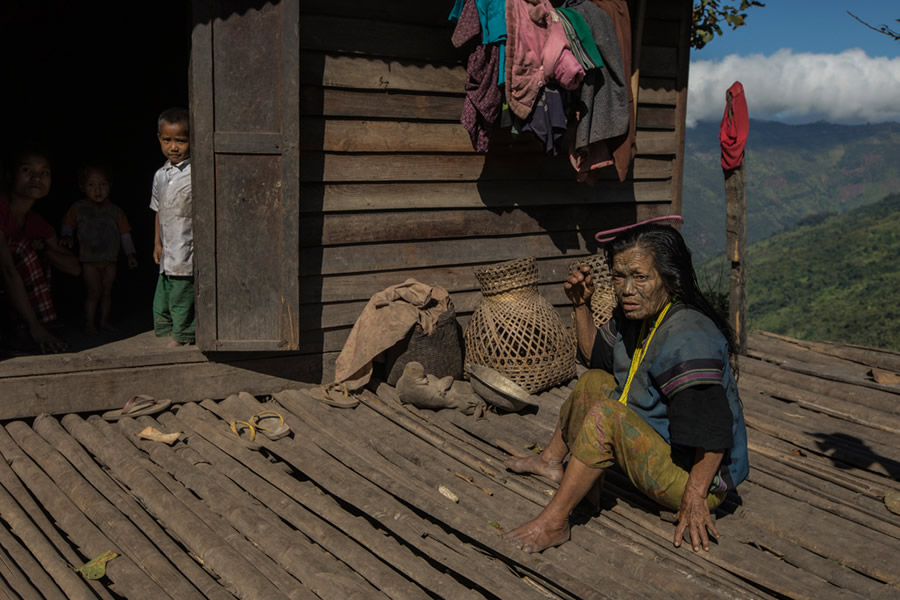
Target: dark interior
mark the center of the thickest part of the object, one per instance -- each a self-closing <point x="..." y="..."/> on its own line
<point x="86" y="81"/>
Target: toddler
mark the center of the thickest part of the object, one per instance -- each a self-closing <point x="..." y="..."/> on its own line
<point x="102" y="229"/>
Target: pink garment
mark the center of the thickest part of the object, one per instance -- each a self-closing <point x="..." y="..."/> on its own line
<point x="386" y="320"/>
<point x="735" y="127"/>
<point x="537" y="50"/>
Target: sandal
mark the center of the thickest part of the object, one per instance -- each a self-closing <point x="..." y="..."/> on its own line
<point x="238" y="426"/>
<point x="265" y="421"/>
<point x="335" y="394"/>
<point x="137" y="406"/>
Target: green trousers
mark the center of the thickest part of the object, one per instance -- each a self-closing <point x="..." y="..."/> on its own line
<point x="173" y="308"/>
<point x="601" y="431"/>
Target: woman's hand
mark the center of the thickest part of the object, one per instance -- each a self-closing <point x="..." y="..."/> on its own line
<point x="579" y="287"/>
<point x="694" y="516"/>
<point x="45" y="340"/>
<point x="694" y="512"/>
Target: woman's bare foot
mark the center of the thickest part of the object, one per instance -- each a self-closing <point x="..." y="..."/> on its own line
<point x="537" y="465"/>
<point x="174" y="344"/>
<point x="538" y="535"/>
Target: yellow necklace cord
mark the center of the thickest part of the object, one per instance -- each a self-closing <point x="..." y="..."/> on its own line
<point x="639" y="352"/>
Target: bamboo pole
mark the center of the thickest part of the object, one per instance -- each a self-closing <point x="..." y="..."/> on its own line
<point x="128" y="578"/>
<point x="289" y="548"/>
<point x="118" y="528"/>
<point x="236" y="571"/>
<point x="260" y="480"/>
<point x="50" y="429"/>
<point x="72" y="585"/>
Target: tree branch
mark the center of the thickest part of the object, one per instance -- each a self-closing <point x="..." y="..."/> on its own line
<point x="884" y="29"/>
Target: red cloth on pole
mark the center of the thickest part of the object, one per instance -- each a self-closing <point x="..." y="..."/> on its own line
<point x="735" y="127"/>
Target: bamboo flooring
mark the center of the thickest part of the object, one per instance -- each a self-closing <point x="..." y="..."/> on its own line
<point x="350" y="505"/>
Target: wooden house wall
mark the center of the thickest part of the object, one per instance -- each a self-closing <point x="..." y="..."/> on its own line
<point x="391" y="187"/>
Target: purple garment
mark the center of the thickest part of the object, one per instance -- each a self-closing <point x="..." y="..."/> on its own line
<point x="483" y="96"/>
<point x="468" y="26"/>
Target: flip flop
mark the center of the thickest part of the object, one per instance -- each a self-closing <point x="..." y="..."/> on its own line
<point x="334" y="394"/>
<point x="238" y="426"/>
<point x="271" y="423"/>
<point x="137" y="406"/>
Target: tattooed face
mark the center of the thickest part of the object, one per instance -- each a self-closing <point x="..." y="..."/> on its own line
<point x="639" y="288"/>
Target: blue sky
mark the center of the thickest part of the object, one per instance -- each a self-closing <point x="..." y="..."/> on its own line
<point x="802" y="61"/>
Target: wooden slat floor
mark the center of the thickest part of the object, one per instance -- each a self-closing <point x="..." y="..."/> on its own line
<point x="350" y="507"/>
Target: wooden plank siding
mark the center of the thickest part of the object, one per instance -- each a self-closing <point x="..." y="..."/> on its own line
<point x="391" y="188"/>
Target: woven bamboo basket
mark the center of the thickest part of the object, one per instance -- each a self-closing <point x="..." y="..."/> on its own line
<point x="516" y="331"/>
<point x="603" y="300"/>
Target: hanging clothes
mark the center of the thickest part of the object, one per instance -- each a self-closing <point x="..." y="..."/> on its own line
<point x="492" y="17"/>
<point x="538" y="52"/>
<point x="622" y="147"/>
<point x="603" y="111"/>
<point x="481" y="108"/>
<point x="735" y="127"/>
<point x="548" y="120"/>
<point x="580" y="39"/>
<point x="468" y="26"/>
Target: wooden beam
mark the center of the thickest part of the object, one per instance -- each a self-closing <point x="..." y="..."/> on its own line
<point x="316" y="101"/>
<point x="400" y="255"/>
<point x="379" y="74"/>
<point x="106" y="389"/>
<point x="340" y="135"/>
<point x="362" y="286"/>
<point x="341" y="168"/>
<point x="352" y="35"/>
<point x="316" y="198"/>
<point x="376" y="227"/>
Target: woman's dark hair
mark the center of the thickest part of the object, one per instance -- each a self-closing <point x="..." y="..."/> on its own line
<point x="672" y="260"/>
<point x="12" y="161"/>
<point x="99" y="166"/>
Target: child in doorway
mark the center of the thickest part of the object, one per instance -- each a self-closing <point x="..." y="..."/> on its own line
<point x="171" y="200"/>
<point x="102" y="229"/>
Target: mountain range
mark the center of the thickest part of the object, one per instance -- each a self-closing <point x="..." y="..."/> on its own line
<point x="793" y="173"/>
<point x="823" y="214"/>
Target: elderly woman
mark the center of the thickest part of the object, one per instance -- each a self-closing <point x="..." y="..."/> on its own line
<point x="660" y="401"/>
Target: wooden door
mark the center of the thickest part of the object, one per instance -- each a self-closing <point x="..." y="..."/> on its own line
<point x="245" y="132"/>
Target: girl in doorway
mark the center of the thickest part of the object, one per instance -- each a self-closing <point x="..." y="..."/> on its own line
<point x="32" y="241"/>
<point x="102" y="230"/>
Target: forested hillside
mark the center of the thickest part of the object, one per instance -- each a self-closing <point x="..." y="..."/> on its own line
<point x="835" y="280"/>
<point x="794" y="172"/>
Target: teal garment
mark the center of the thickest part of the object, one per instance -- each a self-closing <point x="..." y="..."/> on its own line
<point x="173" y="308"/>
<point x="687" y="350"/>
<point x="492" y="15"/>
<point x="581" y="40"/>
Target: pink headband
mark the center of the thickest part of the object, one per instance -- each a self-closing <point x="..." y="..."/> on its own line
<point x="609" y="235"/>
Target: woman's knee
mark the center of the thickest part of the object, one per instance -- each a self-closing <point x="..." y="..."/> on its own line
<point x="595" y="383"/>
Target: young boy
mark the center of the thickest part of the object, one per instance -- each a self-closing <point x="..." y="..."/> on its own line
<point x="173" y="303"/>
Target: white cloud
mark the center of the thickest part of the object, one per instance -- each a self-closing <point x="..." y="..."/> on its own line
<point x="850" y="87"/>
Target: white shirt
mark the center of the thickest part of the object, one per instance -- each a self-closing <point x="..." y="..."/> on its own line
<point x="171" y="198"/>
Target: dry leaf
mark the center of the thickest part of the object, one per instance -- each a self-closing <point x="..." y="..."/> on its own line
<point x="892" y="501"/>
<point x="96" y="569"/>
<point x="885" y="377"/>
<point x="798" y="452"/>
<point x="155" y="435"/>
<point x="445" y="491"/>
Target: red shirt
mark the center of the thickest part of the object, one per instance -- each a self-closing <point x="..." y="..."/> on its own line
<point x="34" y="228"/>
